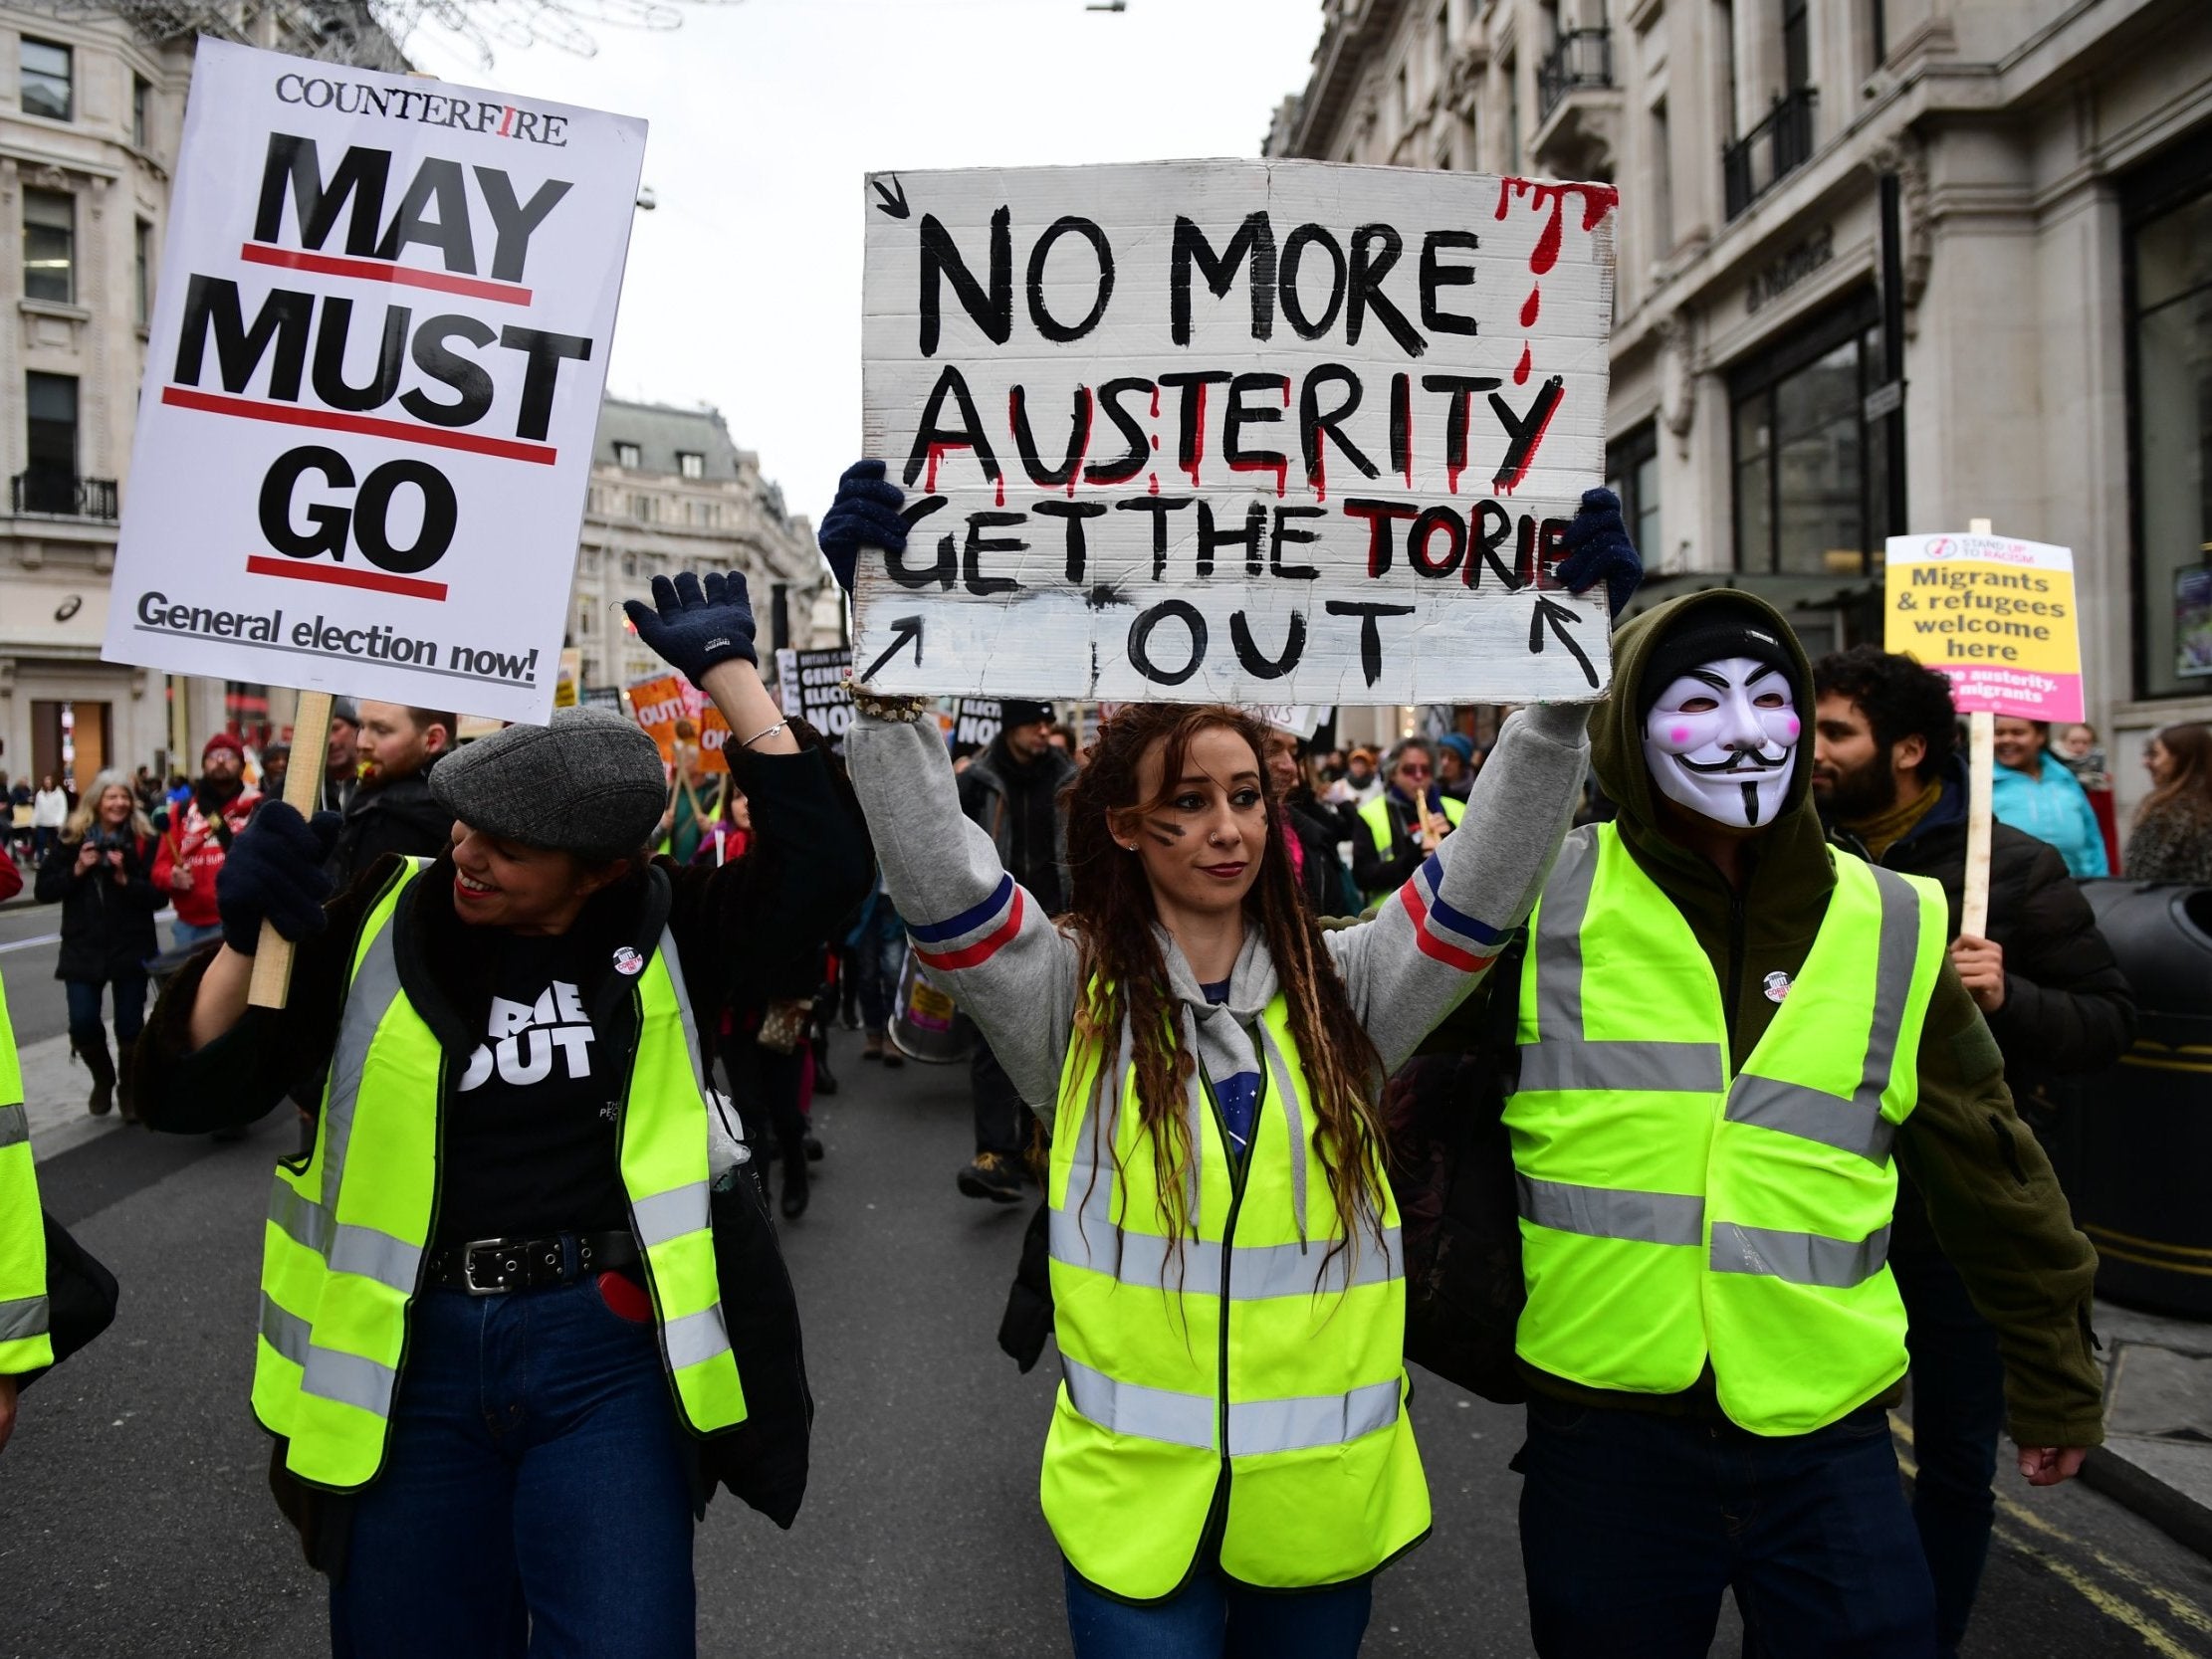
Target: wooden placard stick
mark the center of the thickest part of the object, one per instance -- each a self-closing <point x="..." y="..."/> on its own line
<point x="311" y="741"/>
<point x="1982" y="729"/>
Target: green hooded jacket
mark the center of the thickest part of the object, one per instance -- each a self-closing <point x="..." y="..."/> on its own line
<point x="1990" y="1193"/>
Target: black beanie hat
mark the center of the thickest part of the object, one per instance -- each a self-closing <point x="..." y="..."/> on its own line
<point x="1012" y="713"/>
<point x="1710" y="633"/>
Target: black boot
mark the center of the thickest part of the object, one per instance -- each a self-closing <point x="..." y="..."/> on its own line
<point x="126" y="1058"/>
<point x="91" y="1048"/>
<point x="794" y="1185"/>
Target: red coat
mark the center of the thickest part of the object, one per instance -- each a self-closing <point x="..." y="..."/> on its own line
<point x="191" y="840"/>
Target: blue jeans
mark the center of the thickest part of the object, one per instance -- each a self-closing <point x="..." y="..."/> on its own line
<point x="536" y="1496"/>
<point x="1213" y="1619"/>
<point x="875" y="966"/>
<point x="1959" y="1411"/>
<point x="1634" y="1525"/>
<point x="84" y="1006"/>
<point x="184" y="935"/>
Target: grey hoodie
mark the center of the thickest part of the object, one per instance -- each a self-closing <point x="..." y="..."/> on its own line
<point x="986" y="942"/>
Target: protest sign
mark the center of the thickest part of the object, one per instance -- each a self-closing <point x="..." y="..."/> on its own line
<point x="677" y="715"/>
<point x="372" y="383"/>
<point x="813" y="684"/>
<point x="1995" y="614"/>
<point x="1300" y="720"/>
<point x="1217" y="430"/>
<point x="974" y="722"/>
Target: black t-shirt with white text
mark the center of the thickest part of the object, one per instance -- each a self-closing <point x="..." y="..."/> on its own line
<point x="530" y="1143"/>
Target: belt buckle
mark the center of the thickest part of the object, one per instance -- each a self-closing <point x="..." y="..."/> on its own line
<point x="468" y="1267"/>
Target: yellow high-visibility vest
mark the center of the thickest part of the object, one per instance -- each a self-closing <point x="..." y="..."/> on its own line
<point x="349" y="1226"/>
<point x="1262" y="1351"/>
<point x="24" y="1323"/>
<point x="1674" y="1213"/>
<point x="1376" y="816"/>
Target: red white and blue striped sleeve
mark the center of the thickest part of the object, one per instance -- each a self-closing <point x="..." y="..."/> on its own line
<point x="979" y="935"/>
<point x="1436" y="936"/>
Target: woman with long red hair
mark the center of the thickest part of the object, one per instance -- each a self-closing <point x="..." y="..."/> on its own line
<point x="1229" y="1293"/>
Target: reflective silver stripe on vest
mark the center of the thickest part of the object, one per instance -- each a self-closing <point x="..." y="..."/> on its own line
<point x="324" y="1373"/>
<point x="15" y="1126"/>
<point x="23" y="1319"/>
<point x="1561" y="1057"/>
<point x="1799" y="1258"/>
<point x="1857" y="1124"/>
<point x="1257" y="1428"/>
<point x="679" y="1211"/>
<point x="364" y="1252"/>
<point x="1607" y="1212"/>
<point x="1127" y="1408"/>
<point x="695" y="1337"/>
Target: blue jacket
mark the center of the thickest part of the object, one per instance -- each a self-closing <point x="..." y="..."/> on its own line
<point x="2053" y="809"/>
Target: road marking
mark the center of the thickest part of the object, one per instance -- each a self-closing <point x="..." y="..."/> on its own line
<point x="2114" y="1607"/>
<point x="30" y="943"/>
<point x="2187" y="1612"/>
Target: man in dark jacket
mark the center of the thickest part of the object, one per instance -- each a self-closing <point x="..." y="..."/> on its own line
<point x="1713" y="1417"/>
<point x="392" y="809"/>
<point x="1012" y="791"/>
<point x="1892" y="790"/>
<point x="1389" y="837"/>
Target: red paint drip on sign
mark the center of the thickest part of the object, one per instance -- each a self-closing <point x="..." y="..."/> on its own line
<point x="1597" y="201"/>
<point x="1520" y="369"/>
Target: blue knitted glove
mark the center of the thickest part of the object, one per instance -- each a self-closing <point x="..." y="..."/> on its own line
<point x="691" y="628"/>
<point x="1599" y="550"/>
<point x="864" y="515"/>
<point x="274" y="873"/>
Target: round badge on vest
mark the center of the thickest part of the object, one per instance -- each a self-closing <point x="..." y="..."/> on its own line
<point x="629" y="963"/>
<point x="1777" y="985"/>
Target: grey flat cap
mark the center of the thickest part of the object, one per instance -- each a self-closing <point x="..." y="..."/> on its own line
<point x="589" y="783"/>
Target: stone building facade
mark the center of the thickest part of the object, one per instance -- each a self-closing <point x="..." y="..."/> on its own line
<point x="2051" y="264"/>
<point x="670" y="492"/>
<point x="91" y="109"/>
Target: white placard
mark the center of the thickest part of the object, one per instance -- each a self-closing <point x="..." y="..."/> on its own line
<point x="373" y="384"/>
<point x="1234" y="430"/>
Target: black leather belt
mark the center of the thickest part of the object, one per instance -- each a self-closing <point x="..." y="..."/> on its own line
<point x="494" y="1266"/>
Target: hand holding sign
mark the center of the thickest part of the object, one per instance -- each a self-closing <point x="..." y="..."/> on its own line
<point x="865" y="512"/>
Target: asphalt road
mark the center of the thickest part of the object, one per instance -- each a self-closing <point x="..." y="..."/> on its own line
<point x="135" y="1520"/>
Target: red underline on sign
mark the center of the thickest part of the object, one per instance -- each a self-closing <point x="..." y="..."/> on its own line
<point x="384" y="271"/>
<point x="376" y="581"/>
<point x="330" y="420"/>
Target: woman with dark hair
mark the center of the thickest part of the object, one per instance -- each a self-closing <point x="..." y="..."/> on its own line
<point x="492" y="1356"/>
<point x="2172" y="837"/>
<point x="1228" y="1287"/>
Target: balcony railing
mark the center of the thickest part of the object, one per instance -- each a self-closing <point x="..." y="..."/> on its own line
<point x="1770" y="152"/>
<point x="1578" y="58"/>
<point x="65" y="495"/>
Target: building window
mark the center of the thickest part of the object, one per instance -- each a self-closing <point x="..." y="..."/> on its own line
<point x="584" y="621"/>
<point x="2169" y="296"/>
<point x="142" y="112"/>
<point x="629" y="566"/>
<point x="1632" y="473"/>
<point x="50" y="428"/>
<point x="690" y="465"/>
<point x="1812" y="490"/>
<point x="1512" y="117"/>
<point x="1797" y="46"/>
<point x="628" y="455"/>
<point x="142" y="252"/>
<point x="46" y="87"/>
<point x="49" y="246"/>
<point x="1661" y="174"/>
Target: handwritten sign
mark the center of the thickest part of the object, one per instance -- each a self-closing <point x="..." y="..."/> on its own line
<point x="1234" y="430"/>
<point x="676" y="715"/>
<point x="1994" y="614"/>
<point x="372" y="382"/>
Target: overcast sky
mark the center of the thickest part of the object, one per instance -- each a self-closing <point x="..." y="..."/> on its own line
<point x="744" y="285"/>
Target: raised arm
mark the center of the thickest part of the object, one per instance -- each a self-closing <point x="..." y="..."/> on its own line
<point x="1435" y="937"/>
<point x="981" y="937"/>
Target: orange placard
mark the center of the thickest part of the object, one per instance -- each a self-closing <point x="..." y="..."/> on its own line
<point x="679" y="718"/>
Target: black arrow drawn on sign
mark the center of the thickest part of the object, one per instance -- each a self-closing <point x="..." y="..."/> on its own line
<point x="894" y="197"/>
<point x="1561" y="619"/>
<point x="904" y="627"/>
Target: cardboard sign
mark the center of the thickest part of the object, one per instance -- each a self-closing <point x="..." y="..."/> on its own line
<point x="1995" y="614"/>
<point x="679" y="718"/>
<point x="815" y="686"/>
<point x="372" y="383"/>
<point x="974" y="722"/>
<point x="1226" y="430"/>
<point x="1300" y="720"/>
